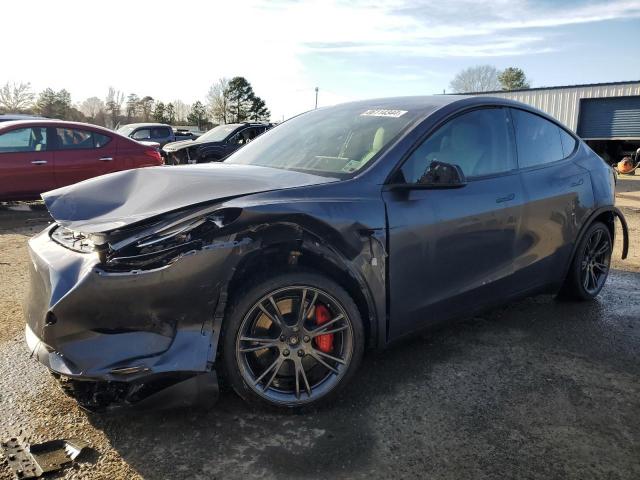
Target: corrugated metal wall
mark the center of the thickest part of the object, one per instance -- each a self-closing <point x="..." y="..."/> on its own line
<point x="564" y="103"/>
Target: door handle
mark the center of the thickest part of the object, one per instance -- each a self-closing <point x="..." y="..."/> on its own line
<point x="105" y="159"/>
<point x="508" y="198"/>
<point x="39" y="162"/>
<point x="577" y="183"/>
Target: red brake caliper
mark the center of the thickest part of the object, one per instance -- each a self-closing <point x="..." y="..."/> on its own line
<point x="323" y="342"/>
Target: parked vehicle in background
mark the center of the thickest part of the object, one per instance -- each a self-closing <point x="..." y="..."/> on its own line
<point x="345" y="227"/>
<point x="186" y="133"/>
<point x="149" y="132"/>
<point x="12" y="117"/>
<point x="41" y="155"/>
<point x="214" y="145"/>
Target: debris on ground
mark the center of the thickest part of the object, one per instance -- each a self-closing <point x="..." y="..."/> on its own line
<point x="32" y="461"/>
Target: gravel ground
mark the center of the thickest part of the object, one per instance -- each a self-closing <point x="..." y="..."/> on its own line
<point x="537" y="389"/>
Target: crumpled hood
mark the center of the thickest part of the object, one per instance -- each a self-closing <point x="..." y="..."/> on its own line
<point x="118" y="199"/>
<point x="180" y="144"/>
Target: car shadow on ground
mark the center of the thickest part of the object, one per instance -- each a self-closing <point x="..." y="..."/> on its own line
<point x="430" y="399"/>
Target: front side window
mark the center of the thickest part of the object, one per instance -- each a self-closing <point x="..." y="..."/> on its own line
<point x="24" y="140"/>
<point x="142" y="134"/>
<point x="537" y="139"/>
<point x="479" y="142"/>
<point x="336" y="141"/>
<point x="72" y="139"/>
<point x="238" y="139"/>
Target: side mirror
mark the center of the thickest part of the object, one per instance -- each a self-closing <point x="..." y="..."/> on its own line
<point x="443" y="175"/>
<point x="437" y="175"/>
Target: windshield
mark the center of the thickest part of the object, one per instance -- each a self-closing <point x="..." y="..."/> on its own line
<point x="218" y="133"/>
<point x="336" y="141"/>
<point x="125" y="130"/>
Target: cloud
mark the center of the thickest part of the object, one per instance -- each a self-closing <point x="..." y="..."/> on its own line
<point x="169" y="50"/>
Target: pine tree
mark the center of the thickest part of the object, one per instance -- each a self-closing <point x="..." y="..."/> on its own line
<point x="240" y="96"/>
<point x="198" y="115"/>
<point x="513" y="78"/>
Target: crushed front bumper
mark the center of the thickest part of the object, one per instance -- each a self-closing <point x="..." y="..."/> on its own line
<point x="140" y="330"/>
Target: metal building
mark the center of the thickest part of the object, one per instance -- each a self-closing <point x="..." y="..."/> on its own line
<point x="607" y="115"/>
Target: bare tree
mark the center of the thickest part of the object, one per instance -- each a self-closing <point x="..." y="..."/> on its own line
<point x="481" y="78"/>
<point x="146" y="107"/>
<point x="218" y="101"/>
<point x="16" y="97"/>
<point x="182" y="111"/>
<point x="115" y="99"/>
<point x="92" y="107"/>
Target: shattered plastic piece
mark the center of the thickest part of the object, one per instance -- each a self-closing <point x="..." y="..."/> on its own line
<point x="32" y="461"/>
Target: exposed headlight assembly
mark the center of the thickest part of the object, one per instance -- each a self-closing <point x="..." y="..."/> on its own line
<point x="167" y="243"/>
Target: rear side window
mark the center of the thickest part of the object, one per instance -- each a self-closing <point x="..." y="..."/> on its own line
<point x="74" y="139"/>
<point x="537" y="140"/>
<point x="160" y="132"/>
<point x="24" y="140"/>
<point x="479" y="142"/>
<point x="568" y="143"/>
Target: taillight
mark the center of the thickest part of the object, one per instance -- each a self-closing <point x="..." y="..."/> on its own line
<point x="155" y="154"/>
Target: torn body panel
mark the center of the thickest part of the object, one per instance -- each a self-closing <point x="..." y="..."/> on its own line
<point x="98" y="314"/>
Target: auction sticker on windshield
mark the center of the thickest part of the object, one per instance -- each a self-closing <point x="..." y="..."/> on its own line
<point x="383" y="113"/>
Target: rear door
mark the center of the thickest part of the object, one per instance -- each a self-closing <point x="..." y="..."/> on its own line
<point x="451" y="250"/>
<point x="558" y="198"/>
<point x="162" y="135"/>
<point x="81" y="154"/>
<point x="26" y="164"/>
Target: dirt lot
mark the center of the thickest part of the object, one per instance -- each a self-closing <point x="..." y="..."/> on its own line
<point x="537" y="389"/>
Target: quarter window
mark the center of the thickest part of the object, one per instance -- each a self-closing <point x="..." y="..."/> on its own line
<point x="100" y="140"/>
<point x="568" y="143"/>
<point x="24" y="140"/>
<point x="479" y="142"/>
<point x="538" y="140"/>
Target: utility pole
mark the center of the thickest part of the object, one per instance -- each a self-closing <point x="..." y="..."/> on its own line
<point x="316" y="97"/>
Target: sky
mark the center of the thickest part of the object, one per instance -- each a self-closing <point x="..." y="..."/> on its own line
<point x="348" y="49"/>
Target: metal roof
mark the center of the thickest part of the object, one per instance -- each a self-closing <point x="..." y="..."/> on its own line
<point x="582" y="85"/>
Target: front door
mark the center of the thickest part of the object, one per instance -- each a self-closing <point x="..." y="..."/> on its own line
<point x="26" y="164"/>
<point x="451" y="249"/>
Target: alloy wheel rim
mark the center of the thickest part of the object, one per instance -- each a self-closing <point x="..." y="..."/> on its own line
<point x="596" y="258"/>
<point x="278" y="350"/>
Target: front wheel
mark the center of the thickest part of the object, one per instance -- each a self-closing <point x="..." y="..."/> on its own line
<point x="590" y="266"/>
<point x="292" y="341"/>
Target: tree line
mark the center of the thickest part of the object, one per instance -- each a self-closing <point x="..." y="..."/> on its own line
<point x="228" y="101"/>
<point x="487" y="78"/>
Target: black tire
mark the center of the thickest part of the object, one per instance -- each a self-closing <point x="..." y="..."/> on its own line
<point x="301" y="293"/>
<point x="590" y="265"/>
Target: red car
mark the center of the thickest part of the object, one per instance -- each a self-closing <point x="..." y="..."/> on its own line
<point x="41" y="155"/>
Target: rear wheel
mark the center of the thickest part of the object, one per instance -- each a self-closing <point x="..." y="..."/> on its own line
<point x="292" y="341"/>
<point x="590" y="267"/>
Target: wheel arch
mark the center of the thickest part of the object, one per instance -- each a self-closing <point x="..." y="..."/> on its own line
<point x="297" y="249"/>
<point x="606" y="215"/>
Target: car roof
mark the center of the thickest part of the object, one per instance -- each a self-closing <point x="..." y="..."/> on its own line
<point x="7" y="117"/>
<point x="424" y="104"/>
<point x="148" y="124"/>
<point x="58" y="123"/>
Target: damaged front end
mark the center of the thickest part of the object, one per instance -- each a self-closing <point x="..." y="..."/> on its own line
<point x="127" y="317"/>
